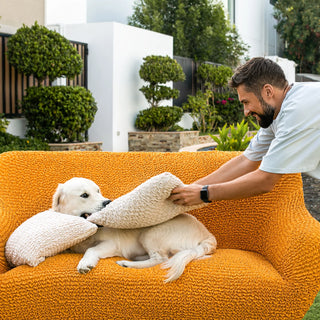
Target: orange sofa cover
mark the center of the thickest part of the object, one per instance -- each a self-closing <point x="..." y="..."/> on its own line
<point x="267" y="265"/>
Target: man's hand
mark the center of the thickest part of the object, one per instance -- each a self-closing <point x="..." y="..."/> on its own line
<point x="187" y="195"/>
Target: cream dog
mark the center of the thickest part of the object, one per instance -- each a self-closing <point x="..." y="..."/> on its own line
<point x="173" y="243"/>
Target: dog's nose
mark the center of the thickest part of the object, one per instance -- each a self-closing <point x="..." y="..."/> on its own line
<point x="106" y="202"/>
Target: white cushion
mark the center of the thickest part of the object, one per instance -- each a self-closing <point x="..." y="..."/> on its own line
<point x="144" y="206"/>
<point x="44" y="235"/>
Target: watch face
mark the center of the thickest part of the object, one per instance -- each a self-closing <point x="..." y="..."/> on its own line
<point x="204" y="194"/>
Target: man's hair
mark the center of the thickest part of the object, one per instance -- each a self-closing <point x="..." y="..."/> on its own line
<point x="256" y="73"/>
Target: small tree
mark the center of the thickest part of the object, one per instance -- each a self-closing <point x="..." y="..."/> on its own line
<point x="201" y="106"/>
<point x="157" y="71"/>
<point x="43" y="53"/>
<point x="213" y="77"/>
<point x="200" y="28"/>
<point x="54" y="114"/>
<point x="298" y="25"/>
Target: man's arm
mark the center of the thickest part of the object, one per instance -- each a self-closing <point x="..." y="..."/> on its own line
<point x="238" y="178"/>
<point x="234" y="168"/>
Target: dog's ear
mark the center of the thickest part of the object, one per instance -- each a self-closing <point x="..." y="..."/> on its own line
<point x="56" y="200"/>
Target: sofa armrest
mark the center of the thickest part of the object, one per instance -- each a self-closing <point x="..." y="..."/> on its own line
<point x="293" y="247"/>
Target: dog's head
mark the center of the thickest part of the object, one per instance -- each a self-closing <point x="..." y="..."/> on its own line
<point x="78" y="197"/>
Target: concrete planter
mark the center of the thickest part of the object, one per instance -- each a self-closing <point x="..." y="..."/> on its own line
<point x="76" y="146"/>
<point x="161" y="141"/>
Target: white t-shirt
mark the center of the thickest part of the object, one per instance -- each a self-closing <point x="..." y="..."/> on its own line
<point x="292" y="143"/>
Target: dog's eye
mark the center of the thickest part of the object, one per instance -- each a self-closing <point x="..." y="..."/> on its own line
<point x="84" y="195"/>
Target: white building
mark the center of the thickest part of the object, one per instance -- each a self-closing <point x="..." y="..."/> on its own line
<point x="116" y="52"/>
<point x="255" y="26"/>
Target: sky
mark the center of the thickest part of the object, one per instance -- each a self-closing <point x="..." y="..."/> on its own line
<point x="82" y="11"/>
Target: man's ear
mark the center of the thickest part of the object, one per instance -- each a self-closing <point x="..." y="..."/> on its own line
<point x="57" y="198"/>
<point x="267" y="91"/>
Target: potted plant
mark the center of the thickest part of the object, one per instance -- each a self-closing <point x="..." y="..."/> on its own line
<point x="158" y="120"/>
<point x="58" y="114"/>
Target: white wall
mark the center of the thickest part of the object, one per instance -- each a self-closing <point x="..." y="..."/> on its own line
<point x="256" y="26"/>
<point x="288" y="67"/>
<point x="116" y="53"/>
<point x="65" y="11"/>
<point x="107" y="11"/>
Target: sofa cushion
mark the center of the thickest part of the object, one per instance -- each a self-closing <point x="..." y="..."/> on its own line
<point x="46" y="234"/>
<point x="144" y="206"/>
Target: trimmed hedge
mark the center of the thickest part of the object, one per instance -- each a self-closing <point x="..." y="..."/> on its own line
<point x="58" y="114"/>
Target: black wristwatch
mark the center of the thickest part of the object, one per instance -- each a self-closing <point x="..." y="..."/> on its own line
<point x="204" y="194"/>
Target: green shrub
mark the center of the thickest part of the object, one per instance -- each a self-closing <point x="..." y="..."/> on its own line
<point x="157" y="71"/>
<point x="3" y="123"/>
<point x="8" y="142"/>
<point x="229" y="108"/>
<point x="58" y="114"/>
<point x="160" y="69"/>
<point x="233" y="138"/>
<point x="203" y="111"/>
<point x="41" y="52"/>
<point x="213" y="77"/>
<point x="158" y="118"/>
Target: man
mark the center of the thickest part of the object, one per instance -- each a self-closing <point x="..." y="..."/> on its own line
<point x="288" y="141"/>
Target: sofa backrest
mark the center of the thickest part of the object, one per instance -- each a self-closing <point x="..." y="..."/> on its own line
<point x="28" y="181"/>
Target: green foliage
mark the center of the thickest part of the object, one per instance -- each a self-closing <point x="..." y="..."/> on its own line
<point x="200" y="28"/>
<point x="232" y="138"/>
<point x="158" y="118"/>
<point x="202" y="106"/>
<point x="203" y="111"/>
<point x="214" y="77"/>
<point x="158" y="70"/>
<point x="156" y="93"/>
<point x="8" y="142"/>
<point x="299" y="26"/>
<point x="41" y="52"/>
<point x="58" y="114"/>
<point x="228" y="107"/>
<point x="3" y="123"/>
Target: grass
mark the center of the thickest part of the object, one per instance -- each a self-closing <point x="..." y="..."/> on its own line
<point x="314" y="311"/>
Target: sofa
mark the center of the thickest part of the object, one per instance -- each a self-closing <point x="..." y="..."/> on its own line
<point x="267" y="265"/>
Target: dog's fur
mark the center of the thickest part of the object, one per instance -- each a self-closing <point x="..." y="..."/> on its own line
<point x="174" y="243"/>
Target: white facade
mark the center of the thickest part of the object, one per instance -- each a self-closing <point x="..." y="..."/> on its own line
<point x="116" y="52"/>
<point x="255" y="25"/>
<point x="65" y="11"/>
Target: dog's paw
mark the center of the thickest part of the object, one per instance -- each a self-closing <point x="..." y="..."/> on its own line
<point x="123" y="263"/>
<point x="84" y="267"/>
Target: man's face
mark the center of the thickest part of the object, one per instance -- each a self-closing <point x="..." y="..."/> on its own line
<point x="256" y="106"/>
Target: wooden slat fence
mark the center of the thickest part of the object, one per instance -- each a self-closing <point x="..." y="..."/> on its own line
<point x="14" y="84"/>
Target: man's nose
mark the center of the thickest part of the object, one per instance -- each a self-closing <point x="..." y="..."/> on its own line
<point x="246" y="112"/>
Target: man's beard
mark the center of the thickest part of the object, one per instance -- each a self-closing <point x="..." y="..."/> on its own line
<point x="266" y="119"/>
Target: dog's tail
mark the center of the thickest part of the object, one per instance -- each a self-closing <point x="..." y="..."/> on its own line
<point x="178" y="262"/>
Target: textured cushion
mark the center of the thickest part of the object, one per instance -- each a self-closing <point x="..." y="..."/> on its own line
<point x="44" y="235"/>
<point x="144" y="206"/>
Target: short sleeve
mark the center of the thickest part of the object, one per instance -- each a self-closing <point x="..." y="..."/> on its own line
<point x="259" y="144"/>
<point x="293" y="152"/>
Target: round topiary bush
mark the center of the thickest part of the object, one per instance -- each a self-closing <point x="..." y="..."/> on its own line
<point x="157" y="71"/>
<point x="158" y="118"/>
<point x="58" y="114"/>
<point x="41" y="52"/>
<point x="214" y="77"/>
